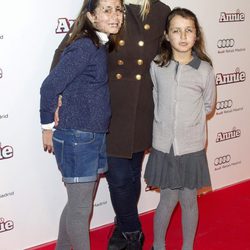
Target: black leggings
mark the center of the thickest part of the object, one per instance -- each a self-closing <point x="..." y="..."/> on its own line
<point x="124" y="179"/>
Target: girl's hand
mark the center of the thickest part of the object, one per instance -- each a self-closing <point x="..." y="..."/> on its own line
<point x="47" y="140"/>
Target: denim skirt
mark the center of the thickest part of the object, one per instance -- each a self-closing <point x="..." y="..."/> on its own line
<point x="80" y="155"/>
<point x="165" y="170"/>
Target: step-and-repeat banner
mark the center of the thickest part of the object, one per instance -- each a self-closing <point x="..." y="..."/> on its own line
<point x="31" y="192"/>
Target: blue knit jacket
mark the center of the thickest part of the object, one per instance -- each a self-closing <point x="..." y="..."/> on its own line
<point x="81" y="77"/>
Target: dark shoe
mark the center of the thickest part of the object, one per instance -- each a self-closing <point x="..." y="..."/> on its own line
<point x="135" y="240"/>
<point x="117" y="240"/>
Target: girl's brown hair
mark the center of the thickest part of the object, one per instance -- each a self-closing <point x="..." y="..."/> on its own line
<point x="83" y="27"/>
<point x="166" y="53"/>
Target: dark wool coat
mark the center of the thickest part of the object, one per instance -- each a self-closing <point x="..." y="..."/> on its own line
<point x="129" y="79"/>
<point x="130" y="83"/>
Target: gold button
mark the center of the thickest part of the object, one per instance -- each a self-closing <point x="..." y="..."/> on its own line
<point x="138" y="77"/>
<point x="139" y="61"/>
<point x="118" y="76"/>
<point x="141" y="43"/>
<point x="121" y="42"/>
<point x="120" y="62"/>
<point x="146" y="26"/>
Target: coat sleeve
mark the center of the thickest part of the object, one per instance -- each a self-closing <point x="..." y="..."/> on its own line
<point x="58" y="51"/>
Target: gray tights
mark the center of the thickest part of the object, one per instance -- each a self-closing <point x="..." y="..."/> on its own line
<point x="74" y="221"/>
<point x="168" y="201"/>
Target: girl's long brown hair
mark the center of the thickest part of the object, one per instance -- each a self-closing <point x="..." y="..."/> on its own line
<point x="83" y="27"/>
<point x="166" y="53"/>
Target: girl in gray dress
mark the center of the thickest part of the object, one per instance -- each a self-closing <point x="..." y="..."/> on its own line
<point x="184" y="94"/>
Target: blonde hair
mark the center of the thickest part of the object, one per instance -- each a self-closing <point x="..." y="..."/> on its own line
<point x="145" y="8"/>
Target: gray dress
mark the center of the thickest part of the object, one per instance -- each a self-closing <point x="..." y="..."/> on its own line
<point x="165" y="170"/>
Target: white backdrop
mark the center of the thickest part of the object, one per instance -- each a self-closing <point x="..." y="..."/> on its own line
<point x="31" y="192"/>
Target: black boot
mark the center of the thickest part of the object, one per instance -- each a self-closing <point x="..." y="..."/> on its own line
<point x="135" y="240"/>
<point x="117" y="240"/>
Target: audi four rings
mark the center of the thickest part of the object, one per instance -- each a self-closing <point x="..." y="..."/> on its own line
<point x="224" y="104"/>
<point x="222" y="160"/>
<point x="225" y="43"/>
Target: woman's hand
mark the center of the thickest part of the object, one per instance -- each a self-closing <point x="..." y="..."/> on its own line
<point x="56" y="116"/>
<point x="47" y="140"/>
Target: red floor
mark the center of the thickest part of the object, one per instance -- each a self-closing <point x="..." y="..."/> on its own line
<point x="224" y="223"/>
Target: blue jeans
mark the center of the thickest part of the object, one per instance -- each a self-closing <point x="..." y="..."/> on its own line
<point x="124" y="179"/>
<point x="80" y="155"/>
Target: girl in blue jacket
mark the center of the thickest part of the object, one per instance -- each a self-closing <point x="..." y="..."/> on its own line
<point x="79" y="140"/>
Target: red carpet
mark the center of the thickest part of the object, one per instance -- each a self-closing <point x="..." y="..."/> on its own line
<point x="224" y="223"/>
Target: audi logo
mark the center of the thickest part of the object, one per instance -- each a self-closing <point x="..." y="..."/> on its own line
<point x="222" y="160"/>
<point x="224" y="104"/>
<point x="225" y="43"/>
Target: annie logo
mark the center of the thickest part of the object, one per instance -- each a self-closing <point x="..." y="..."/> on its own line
<point x="6" y="152"/>
<point x="6" y="225"/>
<point x="235" y="77"/>
<point x="223" y="136"/>
<point x="232" y="17"/>
<point x="64" y="25"/>
<point x="1" y="73"/>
